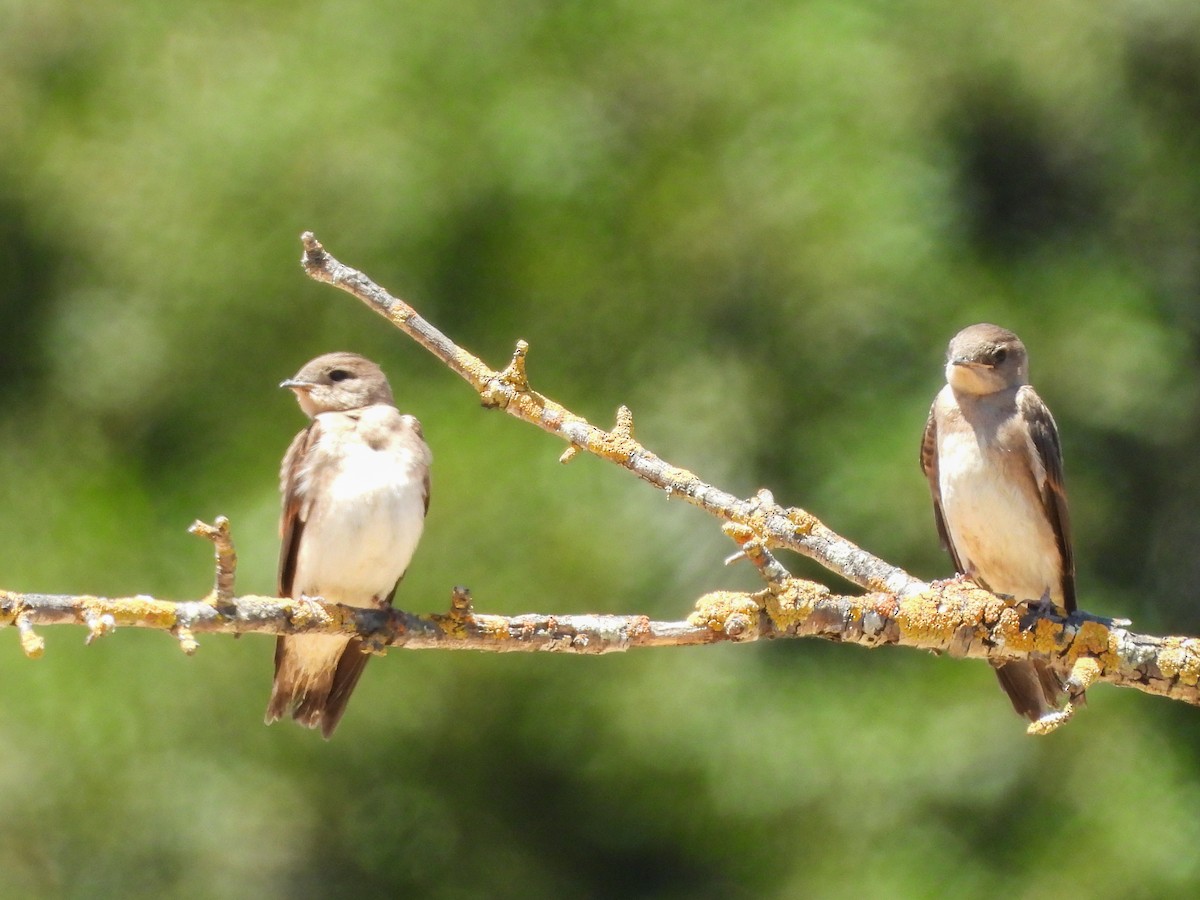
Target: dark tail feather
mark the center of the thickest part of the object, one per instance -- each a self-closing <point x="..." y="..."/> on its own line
<point x="317" y="708"/>
<point x="1033" y="687"/>
<point x="349" y="670"/>
<point x="282" y="695"/>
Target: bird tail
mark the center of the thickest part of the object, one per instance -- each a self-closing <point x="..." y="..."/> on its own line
<point x="1034" y="688"/>
<point x="314" y="678"/>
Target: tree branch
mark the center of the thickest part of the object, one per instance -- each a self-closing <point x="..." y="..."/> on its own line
<point x="458" y="629"/>
<point x="509" y="390"/>
<point x="953" y="617"/>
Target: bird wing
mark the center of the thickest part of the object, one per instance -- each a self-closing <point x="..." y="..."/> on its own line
<point x="295" y="508"/>
<point x="929" y="465"/>
<point x="1044" y="434"/>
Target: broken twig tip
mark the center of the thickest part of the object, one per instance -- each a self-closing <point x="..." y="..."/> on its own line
<point x="98" y="625"/>
<point x="738" y="533"/>
<point x="1051" y="722"/>
<point x="314" y="259"/>
<point x="1084" y="673"/>
<point x="460" y="601"/>
<point x="32" y="643"/>
<point x="737" y="625"/>
<point x="569" y="454"/>
<point x="187" y="640"/>
<point x="624" y="425"/>
<point x="514" y="374"/>
<point x="225" y="553"/>
<point x="310" y="243"/>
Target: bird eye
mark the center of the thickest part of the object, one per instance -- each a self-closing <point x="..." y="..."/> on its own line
<point x="999" y="356"/>
<point x="339" y="375"/>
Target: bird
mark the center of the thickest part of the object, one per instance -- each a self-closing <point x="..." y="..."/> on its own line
<point x="355" y="491"/>
<point x="993" y="458"/>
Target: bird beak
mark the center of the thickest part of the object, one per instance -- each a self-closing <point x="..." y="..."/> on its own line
<point x="969" y="363"/>
<point x="293" y="384"/>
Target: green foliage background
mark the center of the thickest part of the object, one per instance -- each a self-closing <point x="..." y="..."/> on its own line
<point x="758" y="225"/>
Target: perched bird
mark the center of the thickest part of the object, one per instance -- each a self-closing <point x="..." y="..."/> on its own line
<point x="355" y="487"/>
<point x="992" y="456"/>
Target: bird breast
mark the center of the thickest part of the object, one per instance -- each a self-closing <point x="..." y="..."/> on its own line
<point x="365" y="522"/>
<point x="995" y="517"/>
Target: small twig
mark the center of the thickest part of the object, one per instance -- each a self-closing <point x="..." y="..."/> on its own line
<point x="460" y="603"/>
<point x="622" y="430"/>
<point x="187" y="640"/>
<point x="792" y="528"/>
<point x="752" y="547"/>
<point x="98" y="624"/>
<point x="33" y="644"/>
<point x="224" y="552"/>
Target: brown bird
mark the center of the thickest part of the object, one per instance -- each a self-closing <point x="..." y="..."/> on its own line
<point x="355" y="487"/>
<point x="992" y="456"/>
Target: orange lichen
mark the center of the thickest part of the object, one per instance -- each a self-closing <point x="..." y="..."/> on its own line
<point x="1095" y="639"/>
<point x="739" y="533"/>
<point x="1047" y="636"/>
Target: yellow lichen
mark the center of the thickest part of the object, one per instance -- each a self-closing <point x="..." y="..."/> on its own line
<point x="139" y="610"/>
<point x="1179" y="659"/>
<point x="1095" y="643"/>
<point x="791" y="607"/>
<point x="1095" y="639"/>
<point x="714" y="610"/>
<point x="1051" y="721"/>
<point x="933" y="616"/>
<point x="32" y="643"/>
<point x="804" y="521"/>
<point x="493" y="626"/>
<point x="739" y="533"/>
<point x="1084" y="673"/>
<point x="1047" y="636"/>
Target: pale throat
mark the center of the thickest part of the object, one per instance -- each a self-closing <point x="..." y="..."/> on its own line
<point x="972" y="380"/>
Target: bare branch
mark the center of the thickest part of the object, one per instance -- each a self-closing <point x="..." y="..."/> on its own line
<point x="955" y="617"/>
<point x="509" y="390"/>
